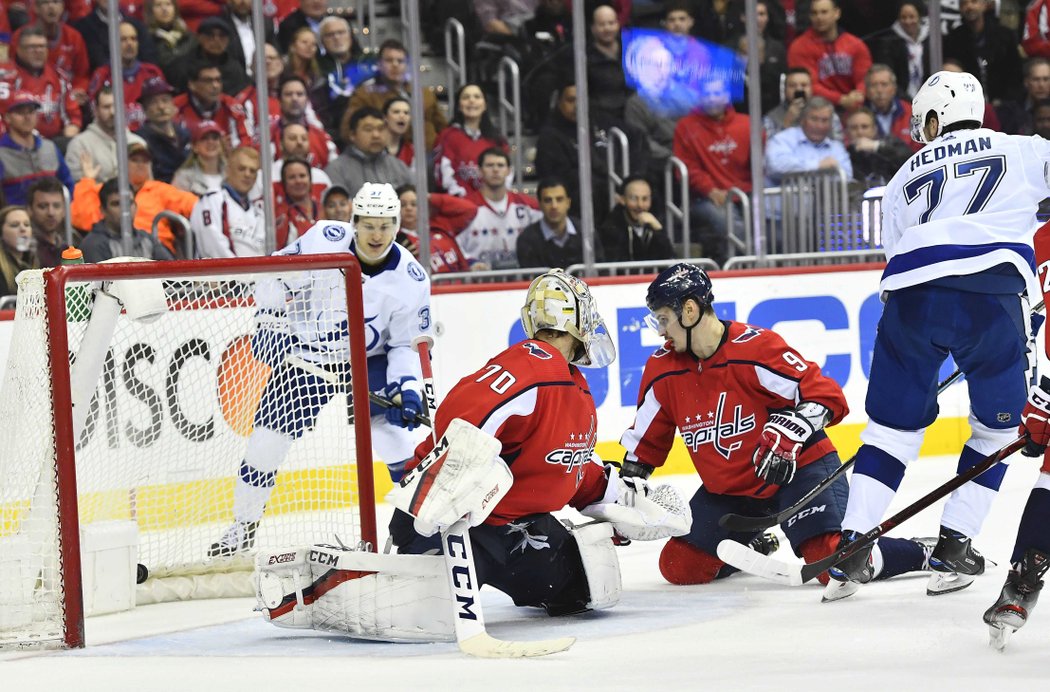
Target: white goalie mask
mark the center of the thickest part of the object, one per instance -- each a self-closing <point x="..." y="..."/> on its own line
<point x="563" y="303"/>
<point x="954" y="96"/>
<point x="376" y="200"/>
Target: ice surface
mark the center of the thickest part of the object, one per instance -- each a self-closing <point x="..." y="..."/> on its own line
<point x="737" y="634"/>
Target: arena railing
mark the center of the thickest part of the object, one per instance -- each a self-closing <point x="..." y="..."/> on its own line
<point x="677" y="211"/>
<point x="617" y="141"/>
<point x="739" y="245"/>
<point x="509" y="111"/>
<point x="185" y="238"/>
<point x="366" y="18"/>
<point x="491" y="276"/>
<point x="455" y="57"/>
<point x="803" y="259"/>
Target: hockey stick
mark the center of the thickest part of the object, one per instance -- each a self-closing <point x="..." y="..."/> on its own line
<point x="743" y="558"/>
<point x="469" y="619"/>
<point x="742" y="523"/>
<point x="333" y="379"/>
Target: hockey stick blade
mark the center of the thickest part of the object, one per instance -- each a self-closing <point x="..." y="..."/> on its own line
<point x="484" y="645"/>
<point x="747" y="560"/>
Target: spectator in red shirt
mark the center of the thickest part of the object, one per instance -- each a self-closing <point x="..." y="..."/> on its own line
<point x="448" y="215"/>
<point x="60" y="116"/>
<point x="459" y="145"/>
<point x="135" y="75"/>
<point x="299" y="209"/>
<point x="397" y="112"/>
<point x="838" y="60"/>
<point x="295" y="144"/>
<point x="67" y="51"/>
<point x="205" y="101"/>
<point x="714" y="142"/>
<point x="294" y="100"/>
<point x="892" y="114"/>
<point x="249" y="104"/>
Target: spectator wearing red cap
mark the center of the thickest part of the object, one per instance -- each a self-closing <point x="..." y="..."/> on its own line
<point x="169" y="143"/>
<point x="66" y="50"/>
<point x="136" y="73"/>
<point x="203" y="169"/>
<point x="294" y="99"/>
<point x="24" y="155"/>
<point x="205" y="101"/>
<point x="60" y="116"/>
<point x="151" y="196"/>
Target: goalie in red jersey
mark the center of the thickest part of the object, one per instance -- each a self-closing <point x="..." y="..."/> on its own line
<point x="751" y="411"/>
<point x="534" y="400"/>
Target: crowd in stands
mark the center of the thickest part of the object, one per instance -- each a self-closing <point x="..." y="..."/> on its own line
<point x="836" y="82"/>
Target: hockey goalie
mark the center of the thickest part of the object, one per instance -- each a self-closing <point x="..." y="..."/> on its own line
<point x="515" y="443"/>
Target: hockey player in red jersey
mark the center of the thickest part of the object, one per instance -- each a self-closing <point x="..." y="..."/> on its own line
<point x="1031" y="555"/>
<point x="751" y="411"/>
<point x="534" y="400"/>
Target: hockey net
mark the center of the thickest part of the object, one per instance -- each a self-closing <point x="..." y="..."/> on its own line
<point x="162" y="439"/>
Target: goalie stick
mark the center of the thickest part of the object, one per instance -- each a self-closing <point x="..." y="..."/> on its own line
<point x="744" y="524"/>
<point x="743" y="558"/>
<point x="468" y="617"/>
<point x="375" y="397"/>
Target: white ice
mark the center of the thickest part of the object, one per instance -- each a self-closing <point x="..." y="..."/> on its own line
<point x="738" y="634"/>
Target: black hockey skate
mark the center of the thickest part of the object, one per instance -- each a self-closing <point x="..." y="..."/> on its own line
<point x="765" y="543"/>
<point x="1018" y="597"/>
<point x="857" y="568"/>
<point x="955" y="563"/>
<point x="239" y="538"/>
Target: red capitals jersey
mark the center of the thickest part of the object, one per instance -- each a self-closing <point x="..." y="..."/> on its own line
<point x="539" y="407"/>
<point x="721" y="403"/>
<point x="58" y="108"/>
<point x="227" y="113"/>
<point x="1042" y="263"/>
<point x="68" y="54"/>
<point x="133" y="82"/>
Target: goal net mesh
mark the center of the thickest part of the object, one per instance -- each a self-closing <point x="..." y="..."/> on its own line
<point x="165" y="433"/>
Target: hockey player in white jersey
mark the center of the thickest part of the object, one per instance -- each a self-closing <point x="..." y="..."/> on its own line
<point x="301" y="334"/>
<point x="958" y="220"/>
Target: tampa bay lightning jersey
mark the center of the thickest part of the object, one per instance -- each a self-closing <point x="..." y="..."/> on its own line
<point x="396" y="304"/>
<point x="964" y="203"/>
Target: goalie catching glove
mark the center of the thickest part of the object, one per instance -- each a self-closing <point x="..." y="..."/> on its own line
<point x="639" y="511"/>
<point x="463" y="476"/>
<point x="1035" y="419"/>
<point x="783" y="435"/>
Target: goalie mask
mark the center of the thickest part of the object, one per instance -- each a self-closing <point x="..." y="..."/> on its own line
<point x="954" y="97"/>
<point x="373" y="235"/>
<point x="563" y="303"/>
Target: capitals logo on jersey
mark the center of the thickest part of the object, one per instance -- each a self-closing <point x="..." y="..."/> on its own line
<point x="575" y="452"/>
<point x="711" y="428"/>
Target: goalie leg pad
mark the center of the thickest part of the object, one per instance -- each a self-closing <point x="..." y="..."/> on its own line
<point x="463" y="475"/>
<point x="366" y="595"/>
<point x="280" y="578"/>
<point x="600" y="563"/>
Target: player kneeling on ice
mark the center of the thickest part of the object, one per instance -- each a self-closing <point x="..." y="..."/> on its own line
<point x="301" y="332"/>
<point x="531" y="456"/>
<point x="751" y="412"/>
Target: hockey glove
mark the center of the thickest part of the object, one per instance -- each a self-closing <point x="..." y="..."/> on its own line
<point x="776" y="455"/>
<point x="1035" y="419"/>
<point x="272" y="340"/>
<point x="407" y="410"/>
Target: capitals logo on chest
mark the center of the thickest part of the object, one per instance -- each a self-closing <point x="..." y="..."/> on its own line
<point x="717" y="428"/>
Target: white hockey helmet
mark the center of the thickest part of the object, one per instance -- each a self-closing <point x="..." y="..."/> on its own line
<point x="563" y="303"/>
<point x="377" y="200"/>
<point x="954" y="97"/>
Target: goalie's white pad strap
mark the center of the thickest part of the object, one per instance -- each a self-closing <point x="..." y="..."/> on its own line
<point x="462" y="476"/>
<point x="600" y="564"/>
<point x="645" y="515"/>
<point x="367" y="595"/>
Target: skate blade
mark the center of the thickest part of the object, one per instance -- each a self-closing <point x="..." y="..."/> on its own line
<point x="948" y="582"/>
<point x="999" y="636"/>
<point x="837" y="590"/>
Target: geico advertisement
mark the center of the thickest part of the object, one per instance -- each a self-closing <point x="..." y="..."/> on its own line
<point x="828" y="316"/>
<point x="189" y="388"/>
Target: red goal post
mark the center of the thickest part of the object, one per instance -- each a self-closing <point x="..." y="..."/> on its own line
<point x="175" y="486"/>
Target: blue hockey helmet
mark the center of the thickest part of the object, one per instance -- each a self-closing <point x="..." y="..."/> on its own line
<point x="679" y="282"/>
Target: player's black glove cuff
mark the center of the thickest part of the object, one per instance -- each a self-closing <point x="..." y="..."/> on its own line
<point x="635" y="469"/>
